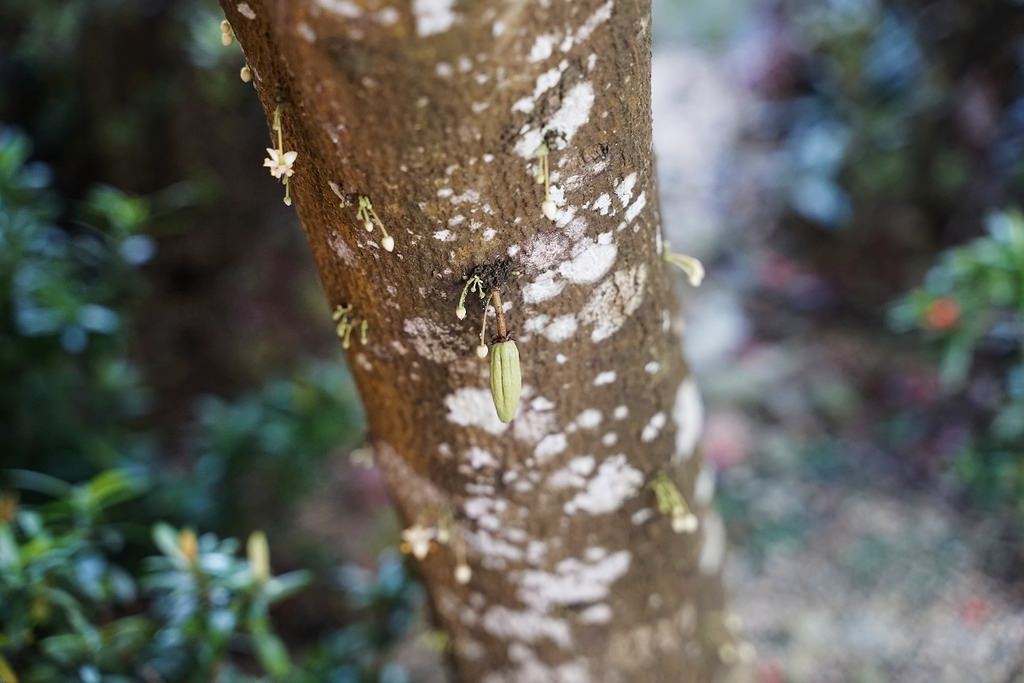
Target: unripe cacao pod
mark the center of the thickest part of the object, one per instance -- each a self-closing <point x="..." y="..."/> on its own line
<point x="506" y="379"/>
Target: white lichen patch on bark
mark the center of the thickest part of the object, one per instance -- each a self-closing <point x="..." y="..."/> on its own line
<point x="550" y="446"/>
<point x="591" y="260"/>
<point x="433" y="16"/>
<point x="546" y="81"/>
<point x="600" y="15"/>
<point x="615" y="482"/>
<point x="574" y="581"/>
<point x="341" y="248"/>
<point x="588" y="419"/>
<point x="543" y="47"/>
<point x="536" y="324"/>
<point x="485" y="512"/>
<point x="307" y="33"/>
<point x="342" y="8"/>
<point x="532" y="424"/>
<point x="602" y="204"/>
<point x="245" y="10"/>
<point x="572" y="475"/>
<point x="596" y="614"/>
<point x="614" y="301"/>
<point x="561" y="328"/>
<point x="641" y="516"/>
<point x="636" y="207"/>
<point x="528" y="668"/>
<point x="653" y="427"/>
<point x="525" y="626"/>
<point x="624" y="190"/>
<point x="492" y="551"/>
<point x="570" y="117"/>
<point x="473" y="407"/>
<point x="541" y="404"/>
<point x="431" y="340"/>
<point x="543" y="288"/>
<point x="688" y="414"/>
<point x="479" y="458"/>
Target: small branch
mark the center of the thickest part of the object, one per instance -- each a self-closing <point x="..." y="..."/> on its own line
<point x="499" y="313"/>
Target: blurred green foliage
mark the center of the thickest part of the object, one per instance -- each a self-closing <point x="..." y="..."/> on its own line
<point x="69" y="386"/>
<point x="74" y="401"/>
<point x="75" y="602"/>
<point x="972" y="306"/>
<point x="897" y="127"/>
<point x="850" y="139"/>
<point x="890" y="105"/>
<point x="197" y="611"/>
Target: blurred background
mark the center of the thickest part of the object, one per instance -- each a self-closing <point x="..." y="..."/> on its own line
<point x="171" y="390"/>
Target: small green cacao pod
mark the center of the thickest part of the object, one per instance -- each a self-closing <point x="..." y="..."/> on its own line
<point x="506" y="379"/>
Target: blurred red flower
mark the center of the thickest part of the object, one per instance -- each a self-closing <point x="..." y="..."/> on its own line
<point x="942" y="314"/>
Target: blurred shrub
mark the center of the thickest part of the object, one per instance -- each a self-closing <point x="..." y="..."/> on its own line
<point x="872" y="92"/>
<point x="890" y="128"/>
<point x="75" y="604"/>
<point x="73" y="401"/>
<point x="88" y="319"/>
<point x="69" y="387"/>
<point x="195" y="612"/>
<point x="972" y="305"/>
<point x="258" y="455"/>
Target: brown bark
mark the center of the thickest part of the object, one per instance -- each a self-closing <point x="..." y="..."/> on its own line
<point x="434" y="112"/>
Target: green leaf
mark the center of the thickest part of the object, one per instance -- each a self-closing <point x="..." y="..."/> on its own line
<point x="65" y="648"/>
<point x="112" y="487"/>
<point x="166" y="539"/>
<point x="280" y="587"/>
<point x="272" y="654"/>
<point x="28" y="480"/>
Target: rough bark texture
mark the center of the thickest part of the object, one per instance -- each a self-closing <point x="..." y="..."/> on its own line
<point x="434" y="111"/>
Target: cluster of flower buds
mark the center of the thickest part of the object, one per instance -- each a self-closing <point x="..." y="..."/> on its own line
<point x="671" y="503"/>
<point x="473" y="284"/>
<point x="417" y="540"/>
<point x="346" y="324"/>
<point x="369" y="217"/>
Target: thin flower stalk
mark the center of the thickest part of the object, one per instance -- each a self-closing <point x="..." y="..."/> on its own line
<point x="369" y="217"/>
<point x="279" y="162"/>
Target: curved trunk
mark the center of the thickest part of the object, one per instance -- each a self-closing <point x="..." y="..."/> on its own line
<point x="435" y="113"/>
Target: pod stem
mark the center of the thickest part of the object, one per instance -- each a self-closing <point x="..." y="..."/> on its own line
<point x="499" y="313"/>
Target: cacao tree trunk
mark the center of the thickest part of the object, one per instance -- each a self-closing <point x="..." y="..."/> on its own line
<point x="435" y="111"/>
